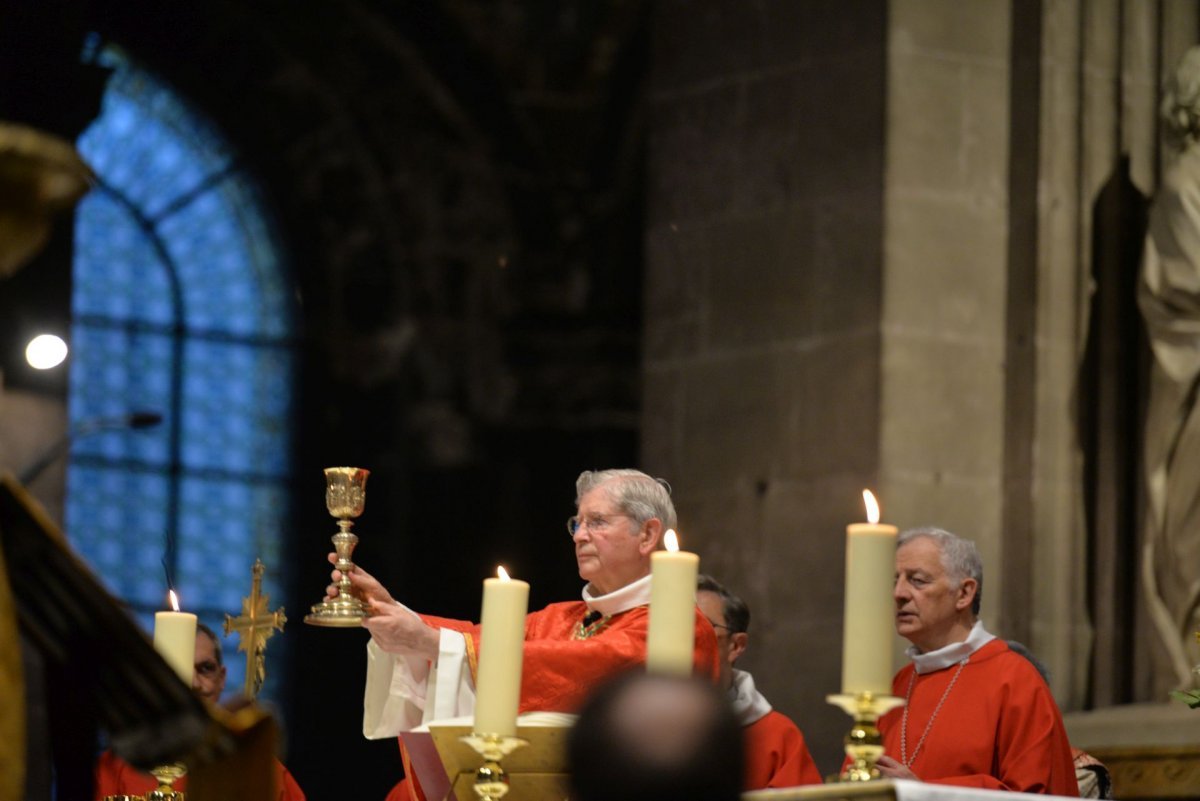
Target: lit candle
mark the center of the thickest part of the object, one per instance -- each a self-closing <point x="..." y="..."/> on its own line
<point x="175" y="639"/>
<point x="672" y="634"/>
<point x="868" y="627"/>
<point x="501" y="650"/>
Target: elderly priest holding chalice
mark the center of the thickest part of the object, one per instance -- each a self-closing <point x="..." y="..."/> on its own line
<point x="422" y="668"/>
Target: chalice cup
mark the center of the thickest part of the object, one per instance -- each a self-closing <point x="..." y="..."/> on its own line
<point x="345" y="497"/>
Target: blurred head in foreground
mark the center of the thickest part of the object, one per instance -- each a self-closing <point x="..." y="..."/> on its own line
<point x="644" y="737"/>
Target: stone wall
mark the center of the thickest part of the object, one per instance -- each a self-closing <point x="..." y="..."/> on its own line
<point x="762" y="348"/>
<point x="889" y="246"/>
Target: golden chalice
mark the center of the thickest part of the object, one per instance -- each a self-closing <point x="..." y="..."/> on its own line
<point x="345" y="497"/>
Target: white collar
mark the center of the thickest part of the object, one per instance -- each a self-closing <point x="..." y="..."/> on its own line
<point x="748" y="703"/>
<point x="950" y="654"/>
<point x="632" y="595"/>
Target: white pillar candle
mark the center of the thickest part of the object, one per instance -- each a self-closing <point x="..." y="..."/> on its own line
<point x="175" y="639"/>
<point x="501" y="652"/>
<point x="671" y="640"/>
<point x="869" y="622"/>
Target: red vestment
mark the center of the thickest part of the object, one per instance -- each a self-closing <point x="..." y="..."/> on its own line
<point x="115" y="776"/>
<point x="776" y="755"/>
<point x="998" y="728"/>
<point x="560" y="669"/>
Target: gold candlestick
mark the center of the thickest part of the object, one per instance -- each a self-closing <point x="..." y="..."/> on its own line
<point x="491" y="782"/>
<point x="345" y="497"/>
<point x="864" y="746"/>
<point x="167" y="775"/>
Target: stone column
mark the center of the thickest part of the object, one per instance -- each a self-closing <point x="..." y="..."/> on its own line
<point x="871" y="251"/>
<point x="761" y="395"/>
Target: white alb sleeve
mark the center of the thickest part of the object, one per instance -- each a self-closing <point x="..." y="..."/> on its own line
<point x="404" y="692"/>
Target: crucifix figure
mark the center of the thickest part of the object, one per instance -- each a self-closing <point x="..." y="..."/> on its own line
<point x="254" y="626"/>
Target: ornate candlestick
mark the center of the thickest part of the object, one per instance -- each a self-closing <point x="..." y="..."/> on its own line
<point x="345" y="497"/>
<point x="863" y="744"/>
<point x="491" y="782"/>
<point x="167" y="775"/>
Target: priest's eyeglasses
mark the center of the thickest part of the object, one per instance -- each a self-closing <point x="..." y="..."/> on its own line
<point x="208" y="667"/>
<point x="596" y="524"/>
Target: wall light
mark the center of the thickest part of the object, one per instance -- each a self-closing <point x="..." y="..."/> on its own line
<point x="45" y="351"/>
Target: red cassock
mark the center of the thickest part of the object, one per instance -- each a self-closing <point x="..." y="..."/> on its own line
<point x="115" y="776"/>
<point x="998" y="727"/>
<point x="776" y="754"/>
<point x="565" y="660"/>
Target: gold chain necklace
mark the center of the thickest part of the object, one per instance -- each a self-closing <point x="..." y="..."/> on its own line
<point x="904" y="717"/>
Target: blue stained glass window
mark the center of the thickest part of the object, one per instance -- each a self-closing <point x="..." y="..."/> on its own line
<point x="182" y="307"/>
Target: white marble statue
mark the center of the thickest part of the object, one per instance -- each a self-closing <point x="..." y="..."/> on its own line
<point x="1169" y="298"/>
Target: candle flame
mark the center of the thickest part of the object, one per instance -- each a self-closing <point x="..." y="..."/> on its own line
<point x="671" y="540"/>
<point x="872" y="506"/>
<point x="502" y="573"/>
<point x="174" y="600"/>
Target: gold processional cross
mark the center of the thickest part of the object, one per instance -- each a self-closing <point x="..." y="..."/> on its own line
<point x="254" y="626"/>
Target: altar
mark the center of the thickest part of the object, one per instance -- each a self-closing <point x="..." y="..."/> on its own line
<point x="1152" y="751"/>
<point x="886" y="790"/>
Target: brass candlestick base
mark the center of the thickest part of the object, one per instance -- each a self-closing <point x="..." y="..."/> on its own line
<point x="167" y="775"/>
<point x="491" y="782"/>
<point x="345" y="497"/>
<point x="863" y="744"/>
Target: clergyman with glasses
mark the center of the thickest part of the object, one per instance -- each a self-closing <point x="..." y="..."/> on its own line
<point x="570" y="647"/>
<point x="117" y="778"/>
<point x="776" y="753"/>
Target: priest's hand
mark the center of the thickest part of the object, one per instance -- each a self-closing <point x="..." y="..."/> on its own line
<point x="366" y="587"/>
<point x="894" y="769"/>
<point x="397" y="630"/>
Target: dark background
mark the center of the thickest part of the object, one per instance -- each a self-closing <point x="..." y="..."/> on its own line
<point x="458" y="186"/>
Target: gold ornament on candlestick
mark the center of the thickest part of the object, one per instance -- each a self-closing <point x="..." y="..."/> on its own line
<point x="345" y="497"/>
<point x="863" y="743"/>
<point x="254" y="626"/>
<point x="167" y="775"/>
<point x="491" y="782"/>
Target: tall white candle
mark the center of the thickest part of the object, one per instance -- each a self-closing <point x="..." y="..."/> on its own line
<point x="868" y="625"/>
<point x="501" y="651"/>
<point x="175" y="639"/>
<point x="671" y="639"/>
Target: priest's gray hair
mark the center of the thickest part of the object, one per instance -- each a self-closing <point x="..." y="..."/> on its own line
<point x="1180" y="109"/>
<point x="960" y="558"/>
<point x="640" y="496"/>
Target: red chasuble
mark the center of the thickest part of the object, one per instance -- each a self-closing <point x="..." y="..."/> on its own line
<point x="115" y="776"/>
<point x="776" y="755"/>
<point x="997" y="728"/>
<point x="565" y="660"/>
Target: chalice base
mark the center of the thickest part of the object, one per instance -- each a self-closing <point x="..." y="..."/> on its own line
<point x="340" y="612"/>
